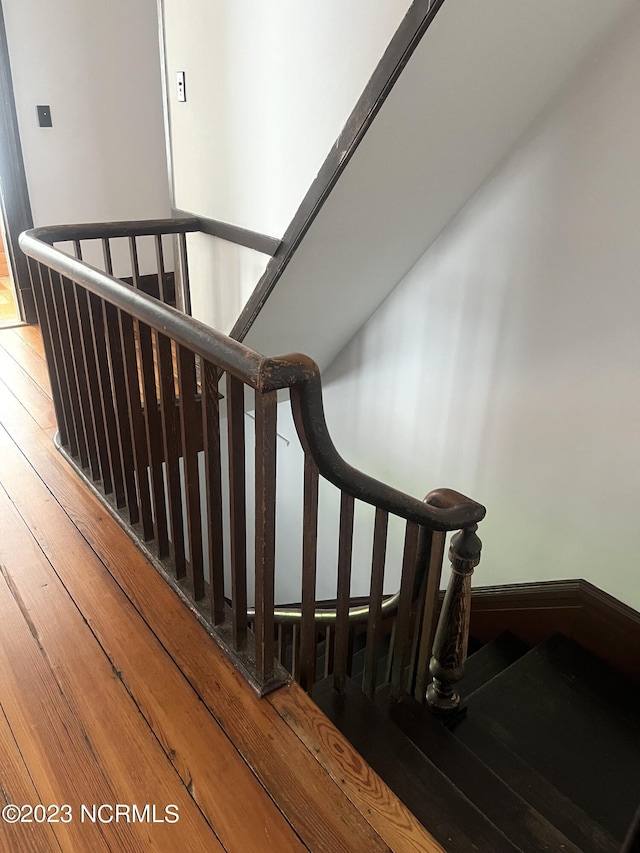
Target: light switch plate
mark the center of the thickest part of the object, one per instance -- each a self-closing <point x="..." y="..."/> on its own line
<point x="44" y="115"/>
<point x="182" y="90"/>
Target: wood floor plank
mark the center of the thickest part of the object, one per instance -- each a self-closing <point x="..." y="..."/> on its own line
<point x="206" y="760"/>
<point x="49" y="734"/>
<point x="30" y="335"/>
<point x="315" y="806"/>
<point x="331" y="810"/>
<point x="393" y="821"/>
<point x="27" y="358"/>
<point x="17" y="788"/>
<point x="103" y="751"/>
<point x="30" y="395"/>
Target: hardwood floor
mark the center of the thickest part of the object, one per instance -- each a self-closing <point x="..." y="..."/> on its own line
<point x="111" y="693"/>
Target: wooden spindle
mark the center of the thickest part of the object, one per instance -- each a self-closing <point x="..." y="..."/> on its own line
<point x="136" y="426"/>
<point x="452" y="634"/>
<point x="188" y="432"/>
<point x="54" y="366"/>
<point x="309" y="566"/>
<point x="431" y="551"/>
<point x="407" y="580"/>
<point x="162" y="276"/>
<point x="107" y="401"/>
<point x="123" y="425"/>
<point x="172" y="447"/>
<point x="237" y="509"/>
<point x="90" y="367"/>
<point x="265" y="532"/>
<point x="88" y="450"/>
<point x="375" y="602"/>
<point x="135" y="266"/>
<point x="60" y="338"/>
<point x="184" y="274"/>
<point x="213" y="477"/>
<point x="345" y="549"/>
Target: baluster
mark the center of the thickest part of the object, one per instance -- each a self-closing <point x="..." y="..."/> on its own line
<point x="237" y="509"/>
<point x="136" y="425"/>
<point x="87" y="377"/>
<point x="59" y="392"/>
<point x="90" y="365"/>
<point x="124" y="459"/>
<point x="265" y="531"/>
<point x="55" y="310"/>
<point x="99" y="335"/>
<point x="452" y="634"/>
<point x="171" y="443"/>
<point x="295" y="651"/>
<point x="162" y="276"/>
<point x="432" y="544"/>
<point x="188" y="428"/>
<point x="345" y="548"/>
<point x="213" y="474"/>
<point x="184" y="275"/>
<point x="328" y="652"/>
<point x="152" y="416"/>
<point x="407" y="580"/>
<point x="309" y="565"/>
<point x="69" y="314"/>
<point x="375" y="602"/>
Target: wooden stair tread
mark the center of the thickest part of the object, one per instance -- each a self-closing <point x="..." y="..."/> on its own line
<point x="490" y="661"/>
<point x="451" y="818"/>
<point x="508" y="809"/>
<point x="554" y="708"/>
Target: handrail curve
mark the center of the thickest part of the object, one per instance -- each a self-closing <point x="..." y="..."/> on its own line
<point x="443" y="509"/>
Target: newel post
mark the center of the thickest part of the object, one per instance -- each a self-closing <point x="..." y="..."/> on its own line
<point x="452" y="634"/>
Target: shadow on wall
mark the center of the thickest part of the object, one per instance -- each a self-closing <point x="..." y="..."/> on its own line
<point x="504" y="364"/>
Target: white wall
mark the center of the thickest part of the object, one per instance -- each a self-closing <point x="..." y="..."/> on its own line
<point x="269" y="88"/>
<point x="97" y="65"/>
<point x="506" y="363"/>
<point x="478" y="79"/>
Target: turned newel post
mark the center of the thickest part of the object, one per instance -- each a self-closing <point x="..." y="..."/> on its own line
<point x="452" y="635"/>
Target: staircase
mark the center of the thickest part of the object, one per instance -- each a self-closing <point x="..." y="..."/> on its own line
<point x="542" y="754"/>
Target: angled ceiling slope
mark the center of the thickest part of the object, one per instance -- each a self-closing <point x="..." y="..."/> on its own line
<point x="477" y="79"/>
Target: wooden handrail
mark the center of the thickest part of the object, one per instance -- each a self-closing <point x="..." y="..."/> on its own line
<point x="103" y="230"/>
<point x="295" y="371"/>
<point x="112" y="348"/>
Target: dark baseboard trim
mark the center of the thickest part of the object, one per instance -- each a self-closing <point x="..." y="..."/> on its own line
<point x="407" y="37"/>
<point x="535" y="611"/>
<point x="232" y="233"/>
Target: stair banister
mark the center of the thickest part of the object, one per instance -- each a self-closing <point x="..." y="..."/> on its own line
<point x="113" y="345"/>
<point x="452" y="634"/>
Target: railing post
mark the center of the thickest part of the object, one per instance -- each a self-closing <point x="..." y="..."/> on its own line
<point x="452" y="635"/>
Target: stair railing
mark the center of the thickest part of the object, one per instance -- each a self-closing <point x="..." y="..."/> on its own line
<point x="151" y="407"/>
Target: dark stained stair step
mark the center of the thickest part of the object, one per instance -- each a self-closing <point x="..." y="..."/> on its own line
<point x="570" y="718"/>
<point x="450" y="817"/>
<point x="507" y="809"/>
<point x="489" y="661"/>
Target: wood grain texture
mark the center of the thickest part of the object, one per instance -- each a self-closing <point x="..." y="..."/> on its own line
<point x="208" y="764"/>
<point x="16" y="786"/>
<point x="32" y="397"/>
<point x="320" y="809"/>
<point x="26" y="357"/>
<point x="73" y="718"/>
<point x="31" y="336"/>
<point x="394" y="822"/>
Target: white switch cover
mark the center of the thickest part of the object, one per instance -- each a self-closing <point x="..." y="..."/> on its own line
<point x="182" y="91"/>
